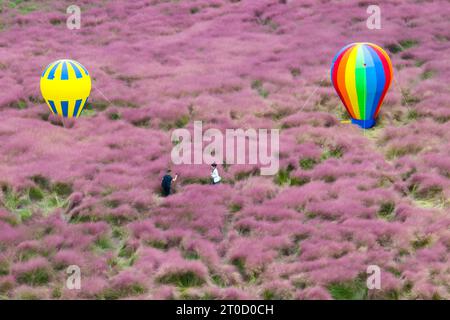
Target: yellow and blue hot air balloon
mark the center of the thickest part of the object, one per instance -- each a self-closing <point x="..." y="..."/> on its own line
<point x="65" y="86"/>
<point x="361" y="73"/>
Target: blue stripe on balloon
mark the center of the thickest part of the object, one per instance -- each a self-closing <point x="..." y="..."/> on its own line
<point x="371" y="83"/>
<point x="51" y="74"/>
<point x="64" y="72"/>
<point x="77" y="71"/>
<point x="380" y="78"/>
<point x="43" y="73"/>
<point x="65" y="108"/>
<point x="81" y="66"/>
<point x="52" y="105"/>
<point x="77" y="107"/>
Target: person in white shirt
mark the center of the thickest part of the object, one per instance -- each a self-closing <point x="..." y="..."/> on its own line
<point x="215" y="174"/>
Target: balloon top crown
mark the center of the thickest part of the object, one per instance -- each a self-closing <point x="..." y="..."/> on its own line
<point x="65" y="69"/>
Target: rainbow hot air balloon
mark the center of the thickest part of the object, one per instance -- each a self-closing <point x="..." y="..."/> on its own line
<point x="65" y="86"/>
<point x="361" y="73"/>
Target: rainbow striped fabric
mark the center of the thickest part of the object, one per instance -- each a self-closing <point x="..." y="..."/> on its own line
<point x="65" y="86"/>
<point x="361" y="73"/>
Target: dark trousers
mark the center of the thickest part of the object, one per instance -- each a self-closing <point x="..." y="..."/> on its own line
<point x="166" y="191"/>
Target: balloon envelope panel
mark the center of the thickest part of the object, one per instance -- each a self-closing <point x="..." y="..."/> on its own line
<point x="361" y="73"/>
<point x="65" y="86"/>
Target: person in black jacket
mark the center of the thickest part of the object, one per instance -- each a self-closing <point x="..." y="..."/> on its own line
<point x="166" y="183"/>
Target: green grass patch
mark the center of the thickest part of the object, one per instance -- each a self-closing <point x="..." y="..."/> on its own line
<point x="399" y="151"/>
<point x="408" y="43"/>
<point x="332" y="152"/>
<point x="19" y="104"/>
<point x="43" y="197"/>
<point x="126" y="252"/>
<point x="218" y="280"/>
<point x="36" y="277"/>
<point x="96" y="105"/>
<point x="195" y="180"/>
<point x="412" y="114"/>
<point x="184" y="279"/>
<point x="239" y="263"/>
<point x="4" y="268"/>
<point x="241" y="175"/>
<point x="114" y="116"/>
<point x="299" y="181"/>
<point x="131" y="290"/>
<point x="352" y="290"/>
<point x="26" y="254"/>
<point x="179" y="123"/>
<point x="257" y="85"/>
<point x="295" y="72"/>
<point x="35" y="194"/>
<point x="191" y="255"/>
<point x="23" y="204"/>
<point x="194" y="10"/>
<point x="427" y="74"/>
<point x="62" y="189"/>
<point x="182" y="121"/>
<point x="103" y="243"/>
<point x="235" y="207"/>
<point x="158" y="244"/>
<point x="282" y="177"/>
<point x="386" y="210"/>
<point x="421" y="242"/>
<point x="142" y="123"/>
<point x="307" y="163"/>
<point x="401" y="45"/>
<point x="57" y="292"/>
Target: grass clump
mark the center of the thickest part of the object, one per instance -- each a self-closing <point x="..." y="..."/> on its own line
<point x="333" y="152"/>
<point x="386" y="210"/>
<point x="191" y="255"/>
<point x="399" y="151"/>
<point x="103" y="243"/>
<point x="218" y="280"/>
<point x="4" y="268"/>
<point x="62" y="189"/>
<point x="235" y="207"/>
<point x="282" y="177"/>
<point x="295" y="72"/>
<point x="182" y="279"/>
<point x="43" y="197"/>
<point x="307" y="163"/>
<point x="130" y="290"/>
<point x="421" y="242"/>
<point x="427" y="74"/>
<point x="351" y="290"/>
<point x="258" y="86"/>
<point x="114" y="116"/>
<point x="36" y="277"/>
<point x="402" y="45"/>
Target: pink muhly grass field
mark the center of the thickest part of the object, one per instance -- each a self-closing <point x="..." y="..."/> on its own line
<point x="88" y="194"/>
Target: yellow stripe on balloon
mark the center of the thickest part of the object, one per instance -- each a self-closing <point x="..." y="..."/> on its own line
<point x="350" y="81"/>
<point x="68" y="90"/>
<point x="58" y="71"/>
<point x="81" y="107"/>
<point x="58" y="107"/>
<point x="71" y="108"/>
